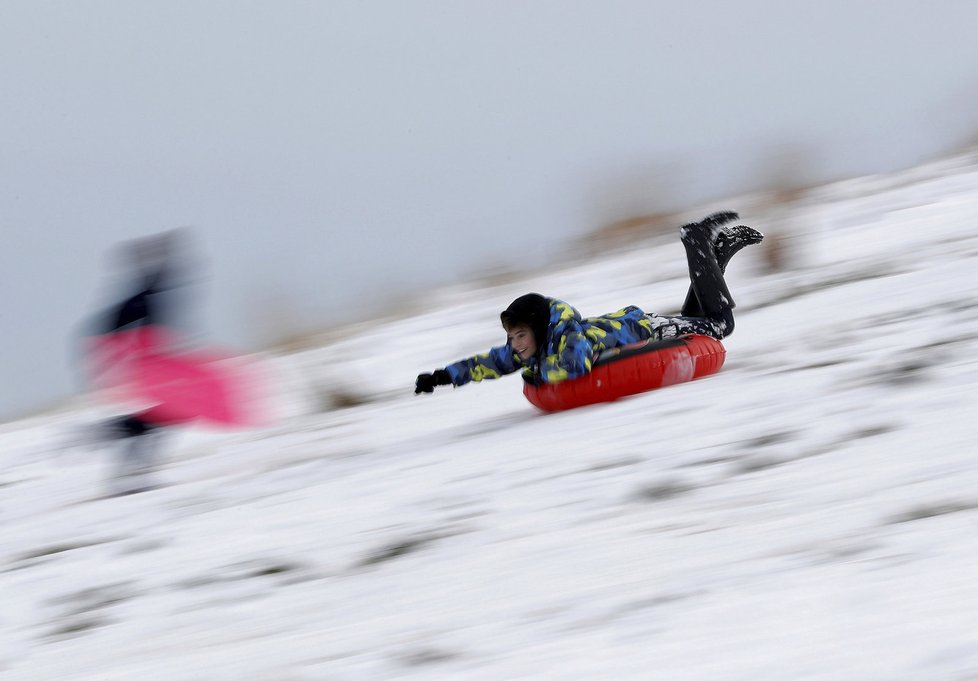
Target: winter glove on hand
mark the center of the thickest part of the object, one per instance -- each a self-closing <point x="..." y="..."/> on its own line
<point x="426" y="382"/>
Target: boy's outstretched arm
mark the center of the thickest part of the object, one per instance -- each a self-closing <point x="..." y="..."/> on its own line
<point x="499" y="361"/>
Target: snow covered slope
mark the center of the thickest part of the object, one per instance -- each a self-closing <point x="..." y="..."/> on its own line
<point x="809" y="513"/>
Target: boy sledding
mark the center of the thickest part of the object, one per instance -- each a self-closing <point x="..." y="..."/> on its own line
<point x="551" y="342"/>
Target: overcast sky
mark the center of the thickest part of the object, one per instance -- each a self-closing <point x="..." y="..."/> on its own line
<point x="334" y="156"/>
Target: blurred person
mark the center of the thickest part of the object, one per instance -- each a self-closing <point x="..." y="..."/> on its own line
<point x="139" y="355"/>
<point x="155" y="267"/>
<point x="550" y="341"/>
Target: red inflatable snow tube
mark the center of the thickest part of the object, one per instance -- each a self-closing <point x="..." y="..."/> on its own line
<point x="630" y="370"/>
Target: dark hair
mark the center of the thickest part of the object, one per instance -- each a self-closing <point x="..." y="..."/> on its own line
<point x="533" y="310"/>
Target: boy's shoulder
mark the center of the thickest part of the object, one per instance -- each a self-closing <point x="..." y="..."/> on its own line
<point x="561" y="312"/>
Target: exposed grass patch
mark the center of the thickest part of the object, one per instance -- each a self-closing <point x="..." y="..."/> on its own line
<point x="84" y="609"/>
<point x="657" y="601"/>
<point x="273" y="569"/>
<point x="926" y="511"/>
<point x="146" y="546"/>
<point x="963" y="305"/>
<point x="332" y="398"/>
<point x="945" y="342"/>
<point x="250" y="570"/>
<point x="345" y="399"/>
<point x="52" y="550"/>
<point x="56" y="549"/>
<point x="77" y="627"/>
<point x="755" y="464"/>
<point x="906" y="372"/>
<point x="825" y="364"/>
<point x="611" y="465"/>
<point x="711" y="461"/>
<point x="427" y="656"/>
<point x="96" y="598"/>
<point x="872" y="431"/>
<point x="664" y="490"/>
<point x="769" y="439"/>
<point x="397" y="549"/>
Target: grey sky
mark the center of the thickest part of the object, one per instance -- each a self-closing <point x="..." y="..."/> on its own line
<point x="337" y="155"/>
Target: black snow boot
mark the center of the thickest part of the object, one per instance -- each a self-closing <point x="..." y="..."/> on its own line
<point x="728" y="242"/>
<point x="715" y="221"/>
<point x="731" y="240"/>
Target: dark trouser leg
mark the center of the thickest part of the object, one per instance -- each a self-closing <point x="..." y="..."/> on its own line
<point x="709" y="306"/>
<point x="723" y="252"/>
<point x="728" y="243"/>
<point x="705" y="275"/>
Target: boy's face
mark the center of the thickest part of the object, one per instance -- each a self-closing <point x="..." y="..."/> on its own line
<point x="521" y="339"/>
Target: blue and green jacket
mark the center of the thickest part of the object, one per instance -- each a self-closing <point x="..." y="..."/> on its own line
<point x="571" y="345"/>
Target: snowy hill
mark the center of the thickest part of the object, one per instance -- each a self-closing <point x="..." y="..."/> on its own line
<point x="808" y="513"/>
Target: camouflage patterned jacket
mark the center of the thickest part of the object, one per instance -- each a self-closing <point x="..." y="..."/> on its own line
<point x="571" y="345"/>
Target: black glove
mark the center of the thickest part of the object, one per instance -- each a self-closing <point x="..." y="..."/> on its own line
<point x="426" y="382"/>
